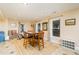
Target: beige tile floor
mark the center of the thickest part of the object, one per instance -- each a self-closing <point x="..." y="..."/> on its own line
<point x="15" y="47"/>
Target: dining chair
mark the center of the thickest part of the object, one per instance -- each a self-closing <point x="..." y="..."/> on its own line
<point x="39" y="39"/>
<point x="28" y="39"/>
<point x="25" y="42"/>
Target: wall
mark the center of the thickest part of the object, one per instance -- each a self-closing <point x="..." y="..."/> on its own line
<point x="70" y="33"/>
<point x="27" y="25"/>
<point x="12" y="24"/>
<point x="7" y="24"/>
<point x="4" y="25"/>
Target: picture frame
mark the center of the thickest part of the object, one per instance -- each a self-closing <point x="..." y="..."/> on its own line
<point x="44" y="26"/>
<point x="70" y="21"/>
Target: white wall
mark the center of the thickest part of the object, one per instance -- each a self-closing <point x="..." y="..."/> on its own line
<point x="70" y="33"/>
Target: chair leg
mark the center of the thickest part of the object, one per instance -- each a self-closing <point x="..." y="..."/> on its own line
<point x="39" y="44"/>
<point x="31" y="42"/>
<point x="25" y="43"/>
<point x="43" y="43"/>
<point x="34" y="42"/>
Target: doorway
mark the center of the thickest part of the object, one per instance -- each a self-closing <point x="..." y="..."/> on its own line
<point x="39" y="26"/>
<point x="21" y="27"/>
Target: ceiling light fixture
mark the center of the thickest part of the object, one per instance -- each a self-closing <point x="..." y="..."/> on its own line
<point x="27" y="4"/>
<point x="24" y="3"/>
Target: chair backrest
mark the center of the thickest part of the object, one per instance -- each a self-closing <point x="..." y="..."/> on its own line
<point x="25" y="35"/>
<point x="41" y="35"/>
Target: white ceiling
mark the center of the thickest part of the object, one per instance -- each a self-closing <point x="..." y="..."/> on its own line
<point x="31" y="11"/>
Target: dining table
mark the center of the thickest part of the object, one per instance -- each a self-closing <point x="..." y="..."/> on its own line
<point x="34" y="39"/>
<point x="31" y="36"/>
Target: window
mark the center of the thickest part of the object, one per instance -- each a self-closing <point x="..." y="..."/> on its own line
<point x="56" y="28"/>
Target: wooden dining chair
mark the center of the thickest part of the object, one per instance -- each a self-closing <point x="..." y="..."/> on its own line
<point x="39" y="39"/>
<point x="27" y="39"/>
<point x="25" y="42"/>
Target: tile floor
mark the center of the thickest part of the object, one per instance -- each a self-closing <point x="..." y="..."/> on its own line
<point x="15" y="47"/>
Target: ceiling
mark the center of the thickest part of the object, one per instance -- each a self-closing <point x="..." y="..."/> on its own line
<point x="31" y="11"/>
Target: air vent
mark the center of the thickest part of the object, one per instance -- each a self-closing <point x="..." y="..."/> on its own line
<point x="68" y="44"/>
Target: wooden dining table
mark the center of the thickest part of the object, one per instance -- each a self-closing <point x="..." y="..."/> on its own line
<point x="33" y="38"/>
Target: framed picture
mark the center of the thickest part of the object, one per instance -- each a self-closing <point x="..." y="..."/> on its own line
<point x="44" y="26"/>
<point x="70" y="21"/>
